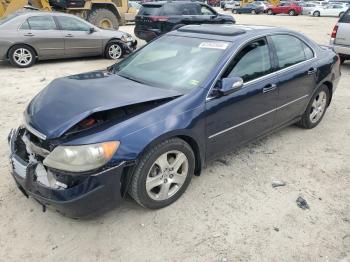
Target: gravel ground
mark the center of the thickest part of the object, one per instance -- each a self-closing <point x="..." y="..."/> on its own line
<point x="229" y="213"/>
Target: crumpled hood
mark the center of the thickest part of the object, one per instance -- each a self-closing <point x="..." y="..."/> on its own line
<point x="67" y="101"/>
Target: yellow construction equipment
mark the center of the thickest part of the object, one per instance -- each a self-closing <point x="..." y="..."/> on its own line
<point x="102" y="13"/>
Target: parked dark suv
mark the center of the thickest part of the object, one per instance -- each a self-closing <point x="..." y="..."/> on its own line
<point x="157" y="18"/>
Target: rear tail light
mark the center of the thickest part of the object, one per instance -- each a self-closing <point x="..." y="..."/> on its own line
<point x="159" y="18"/>
<point x="334" y="32"/>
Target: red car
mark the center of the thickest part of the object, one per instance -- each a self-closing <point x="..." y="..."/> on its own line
<point x="285" y="8"/>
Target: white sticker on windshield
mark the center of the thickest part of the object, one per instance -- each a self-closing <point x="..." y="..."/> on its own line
<point x="214" y="45"/>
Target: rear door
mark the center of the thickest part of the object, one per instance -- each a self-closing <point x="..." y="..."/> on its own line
<point x="296" y="74"/>
<point x="42" y="33"/>
<point x="78" y="40"/>
<point x="343" y="34"/>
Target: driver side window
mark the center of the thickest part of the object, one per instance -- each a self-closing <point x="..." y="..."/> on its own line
<point x="251" y="62"/>
<point x="206" y="11"/>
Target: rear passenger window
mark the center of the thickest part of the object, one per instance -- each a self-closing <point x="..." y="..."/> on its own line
<point x="252" y="62"/>
<point x="151" y="10"/>
<point x="173" y="9"/>
<point x="290" y="50"/>
<point x="345" y="18"/>
<point x="41" y="23"/>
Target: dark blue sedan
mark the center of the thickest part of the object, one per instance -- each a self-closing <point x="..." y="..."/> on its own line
<point x="151" y="121"/>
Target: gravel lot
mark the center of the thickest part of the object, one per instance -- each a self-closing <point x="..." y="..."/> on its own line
<point x="229" y="213"/>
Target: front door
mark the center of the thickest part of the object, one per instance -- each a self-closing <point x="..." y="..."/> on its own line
<point x="78" y="39"/>
<point x="42" y="33"/>
<point x="296" y="76"/>
<point x="248" y="112"/>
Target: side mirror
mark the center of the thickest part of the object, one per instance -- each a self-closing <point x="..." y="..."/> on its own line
<point x="92" y="30"/>
<point x="230" y="85"/>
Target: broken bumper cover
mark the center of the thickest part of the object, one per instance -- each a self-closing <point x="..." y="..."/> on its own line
<point x="96" y="193"/>
<point x="130" y="46"/>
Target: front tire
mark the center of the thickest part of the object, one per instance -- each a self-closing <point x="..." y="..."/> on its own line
<point x="291" y="13"/>
<point x="253" y="12"/>
<point x="22" y="56"/>
<point x="163" y="174"/>
<point x="114" y="51"/>
<point x="316" y="109"/>
<point x="316" y="13"/>
<point x="234" y="11"/>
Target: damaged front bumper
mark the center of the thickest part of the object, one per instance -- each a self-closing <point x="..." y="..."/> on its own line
<point x="130" y="46"/>
<point x="91" y="194"/>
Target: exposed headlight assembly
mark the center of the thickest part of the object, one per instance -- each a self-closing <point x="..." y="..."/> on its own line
<point x="81" y="158"/>
<point x="127" y="38"/>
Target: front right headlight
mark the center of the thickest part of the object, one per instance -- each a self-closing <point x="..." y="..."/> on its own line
<point x="81" y="158"/>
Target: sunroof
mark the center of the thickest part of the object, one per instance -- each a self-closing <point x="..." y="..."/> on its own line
<point x="224" y="30"/>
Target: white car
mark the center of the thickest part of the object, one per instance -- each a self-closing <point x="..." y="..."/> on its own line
<point x="340" y="38"/>
<point x="231" y="5"/>
<point x="264" y="4"/>
<point x="329" y="10"/>
<point x="308" y="6"/>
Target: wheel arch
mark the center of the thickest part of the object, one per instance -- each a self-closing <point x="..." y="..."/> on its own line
<point x="8" y="50"/>
<point x="189" y="139"/>
<point x="329" y="85"/>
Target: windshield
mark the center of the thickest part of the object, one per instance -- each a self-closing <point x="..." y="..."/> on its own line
<point x="173" y="62"/>
<point x="7" y="18"/>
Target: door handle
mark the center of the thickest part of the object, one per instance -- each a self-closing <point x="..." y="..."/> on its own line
<point x="29" y="34"/>
<point x="69" y="35"/>
<point x="312" y="71"/>
<point x="269" y="88"/>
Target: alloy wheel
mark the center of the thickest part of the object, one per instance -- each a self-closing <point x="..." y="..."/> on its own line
<point x="22" y="56"/>
<point x="115" y="51"/>
<point x="318" y="107"/>
<point x="167" y="175"/>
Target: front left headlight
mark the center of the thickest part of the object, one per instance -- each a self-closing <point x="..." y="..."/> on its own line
<point x="127" y="38"/>
<point x="81" y="158"/>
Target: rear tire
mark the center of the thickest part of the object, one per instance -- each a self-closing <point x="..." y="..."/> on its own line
<point x="159" y="162"/>
<point x="316" y="13"/>
<point x="22" y="56"/>
<point x="269" y="12"/>
<point x="253" y="12"/>
<point x="103" y="18"/>
<point x="291" y="12"/>
<point x="316" y="109"/>
<point x="341" y="14"/>
<point x="234" y="11"/>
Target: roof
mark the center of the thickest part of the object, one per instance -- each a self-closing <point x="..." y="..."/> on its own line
<point x="159" y="3"/>
<point x="230" y="33"/>
<point x="226" y="30"/>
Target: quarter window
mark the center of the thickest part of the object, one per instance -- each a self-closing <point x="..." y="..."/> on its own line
<point x="72" y="24"/>
<point x="251" y="62"/>
<point x="290" y="50"/>
<point x="40" y="23"/>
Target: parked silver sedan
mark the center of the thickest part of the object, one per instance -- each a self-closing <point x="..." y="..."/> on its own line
<point x="26" y="37"/>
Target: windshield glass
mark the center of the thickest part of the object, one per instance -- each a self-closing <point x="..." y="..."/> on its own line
<point x="173" y="62"/>
<point x="7" y="18"/>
